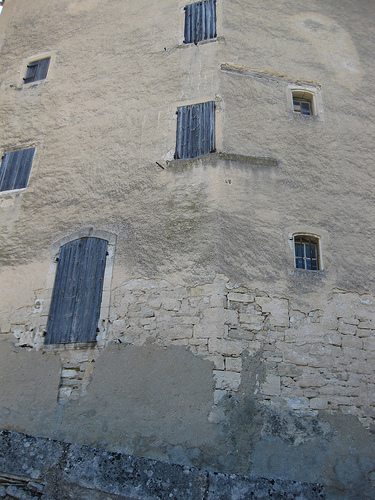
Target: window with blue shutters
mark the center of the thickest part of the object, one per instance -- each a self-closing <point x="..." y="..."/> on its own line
<point x="37" y="70"/>
<point x="15" y="169"/>
<point x="200" y="21"/>
<point x="195" y="130"/>
<point x="77" y="292"/>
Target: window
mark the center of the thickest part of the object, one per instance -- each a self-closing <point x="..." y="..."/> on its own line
<point x="37" y="70"/>
<point x="302" y="106"/>
<point x="200" y="21"/>
<point x="195" y="130"/>
<point x="15" y="169"/>
<point x="303" y="102"/>
<point x="306" y="251"/>
<point x="77" y="292"/>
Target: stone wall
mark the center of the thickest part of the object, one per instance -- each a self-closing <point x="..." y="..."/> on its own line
<point x="319" y="359"/>
<point x="40" y="469"/>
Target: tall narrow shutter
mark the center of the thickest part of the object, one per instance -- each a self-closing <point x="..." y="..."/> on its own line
<point x="195" y="130"/>
<point x="77" y="293"/>
<point x="200" y="21"/>
<point x="15" y="169"/>
<point x="208" y="19"/>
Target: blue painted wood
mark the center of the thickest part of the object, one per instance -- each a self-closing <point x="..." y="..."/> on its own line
<point x="195" y="130"/>
<point x="200" y="21"/>
<point x="77" y="293"/>
<point x="37" y="70"/>
<point x="15" y="169"/>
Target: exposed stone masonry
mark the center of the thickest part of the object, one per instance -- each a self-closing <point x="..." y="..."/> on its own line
<point x="318" y="359"/>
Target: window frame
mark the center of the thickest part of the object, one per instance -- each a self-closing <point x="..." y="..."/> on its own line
<point x="21" y="84"/>
<point x="307" y="239"/>
<point x="305" y="92"/>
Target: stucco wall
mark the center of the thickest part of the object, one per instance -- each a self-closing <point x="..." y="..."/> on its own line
<point x="215" y="351"/>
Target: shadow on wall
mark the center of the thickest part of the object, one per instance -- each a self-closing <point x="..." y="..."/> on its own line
<point x="157" y="402"/>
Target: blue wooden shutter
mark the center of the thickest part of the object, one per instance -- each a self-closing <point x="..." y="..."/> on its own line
<point x="77" y="292"/>
<point x="37" y="70"/>
<point x="195" y="130"/>
<point x="200" y="21"/>
<point x="15" y="169"/>
<point x="208" y="19"/>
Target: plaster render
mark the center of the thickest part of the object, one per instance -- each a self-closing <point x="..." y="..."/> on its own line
<point x="213" y="350"/>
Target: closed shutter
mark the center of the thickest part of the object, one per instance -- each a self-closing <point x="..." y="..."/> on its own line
<point x="195" y="130"/>
<point x="37" y="70"/>
<point x="200" y="21"/>
<point x="77" y="292"/>
<point x="15" y="169"/>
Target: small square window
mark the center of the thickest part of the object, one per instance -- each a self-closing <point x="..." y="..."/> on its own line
<point x="15" y="169"/>
<point x="306" y="252"/>
<point x="303" y="102"/>
<point x="200" y="21"/>
<point x="37" y="70"/>
<point x="302" y="106"/>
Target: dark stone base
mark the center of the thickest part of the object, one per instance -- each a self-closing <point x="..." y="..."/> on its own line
<point x="38" y="468"/>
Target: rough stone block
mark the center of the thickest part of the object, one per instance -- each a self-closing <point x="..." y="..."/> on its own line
<point x="251" y="321"/>
<point x="147" y="312"/>
<point x="312" y="381"/>
<point x="170" y="304"/>
<point x="227" y="380"/>
<point x="363" y="333"/>
<point x="240" y="297"/>
<point x="333" y="338"/>
<point x="290" y="370"/>
<point x="346" y="329"/>
<point x="226" y="347"/>
<point x="218" y="361"/>
<point x="271" y="386"/>
<point x="68" y="373"/>
<point x="353" y="342"/>
<point x="278" y="309"/>
<point x="219" y="394"/>
<point x="319" y="403"/>
<point x="240" y="334"/>
<point x="233" y="364"/>
<point x="369" y="344"/>
<point x="297" y="403"/>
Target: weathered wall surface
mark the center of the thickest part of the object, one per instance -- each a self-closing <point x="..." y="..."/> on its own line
<point x="51" y="469"/>
<point x="216" y="351"/>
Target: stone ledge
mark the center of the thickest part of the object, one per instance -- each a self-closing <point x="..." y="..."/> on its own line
<point x="215" y="159"/>
<point x="63" y="470"/>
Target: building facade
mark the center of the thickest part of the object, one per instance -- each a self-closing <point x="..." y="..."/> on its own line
<point x="186" y="232"/>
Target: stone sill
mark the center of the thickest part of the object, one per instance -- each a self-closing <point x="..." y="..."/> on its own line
<point x="215" y="159"/>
